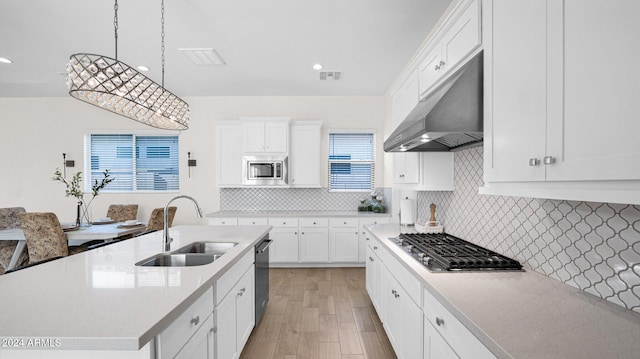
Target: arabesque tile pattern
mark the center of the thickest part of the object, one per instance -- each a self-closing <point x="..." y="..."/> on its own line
<point x="591" y="246"/>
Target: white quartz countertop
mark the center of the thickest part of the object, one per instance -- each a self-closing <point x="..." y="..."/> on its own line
<point x="526" y="314"/>
<point x="296" y="214"/>
<point x="100" y="300"/>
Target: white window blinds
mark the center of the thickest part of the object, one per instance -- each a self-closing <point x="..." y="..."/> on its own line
<point x="351" y="161"/>
<point x="137" y="163"/>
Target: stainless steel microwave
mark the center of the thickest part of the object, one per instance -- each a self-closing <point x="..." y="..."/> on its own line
<point x="265" y="171"/>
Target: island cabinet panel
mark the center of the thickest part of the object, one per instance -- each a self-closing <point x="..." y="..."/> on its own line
<point x="374" y="268"/>
<point x="179" y="333"/>
<point x="364" y="236"/>
<point x="201" y="344"/>
<point x="435" y="347"/>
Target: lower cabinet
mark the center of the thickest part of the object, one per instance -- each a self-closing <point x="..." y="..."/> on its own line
<point x="364" y="236"/>
<point x="435" y="347"/>
<point x="314" y="240"/>
<point x="343" y="240"/>
<point x="235" y="311"/>
<point x="192" y="332"/>
<point x="284" y="235"/>
<point x="403" y="319"/>
<point x="373" y="273"/>
<point x="201" y="344"/>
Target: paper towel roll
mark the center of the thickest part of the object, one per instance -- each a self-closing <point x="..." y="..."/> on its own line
<point x="407" y="212"/>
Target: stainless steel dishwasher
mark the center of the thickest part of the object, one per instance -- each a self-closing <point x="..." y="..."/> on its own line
<point x="262" y="276"/>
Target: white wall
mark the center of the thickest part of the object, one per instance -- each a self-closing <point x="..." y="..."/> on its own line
<point x="36" y="131"/>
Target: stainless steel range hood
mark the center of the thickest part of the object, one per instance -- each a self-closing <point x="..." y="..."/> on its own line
<point x="449" y="117"/>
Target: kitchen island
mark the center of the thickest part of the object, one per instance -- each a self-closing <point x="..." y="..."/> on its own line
<point x="100" y="301"/>
<point x="516" y="314"/>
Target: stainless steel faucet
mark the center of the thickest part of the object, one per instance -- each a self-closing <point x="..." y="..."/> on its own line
<point x="166" y="239"/>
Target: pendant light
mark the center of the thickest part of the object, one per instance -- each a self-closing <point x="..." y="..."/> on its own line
<point x="115" y="86"/>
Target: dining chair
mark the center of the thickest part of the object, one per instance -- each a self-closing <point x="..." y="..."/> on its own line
<point x="9" y="220"/>
<point x="156" y="220"/>
<point x="45" y="237"/>
<point x="122" y="212"/>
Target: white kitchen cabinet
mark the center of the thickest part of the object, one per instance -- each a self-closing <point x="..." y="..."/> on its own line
<point x="373" y="273"/>
<point x="364" y="236"/>
<point x="228" y="144"/>
<point x="461" y="340"/>
<point x="343" y="240"/>
<point x="265" y="135"/>
<point x="185" y="330"/>
<point x="435" y="347"/>
<point x="252" y="221"/>
<point x="457" y="40"/>
<point x="305" y="154"/>
<point x="314" y="240"/>
<point x="436" y="171"/>
<point x="235" y="311"/>
<point x="223" y="221"/>
<point x="567" y="134"/>
<point x="406" y="168"/>
<point x="403" y="319"/>
<point x="284" y="234"/>
<point x="201" y="345"/>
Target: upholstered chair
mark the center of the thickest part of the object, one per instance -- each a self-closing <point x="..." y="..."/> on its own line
<point x="122" y="212"/>
<point x="8" y="220"/>
<point x="156" y="220"/>
<point x="45" y="237"/>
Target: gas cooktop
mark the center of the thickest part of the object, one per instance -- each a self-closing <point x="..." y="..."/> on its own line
<point x="446" y="253"/>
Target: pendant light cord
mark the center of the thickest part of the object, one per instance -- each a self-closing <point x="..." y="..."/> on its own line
<point x="115" y="25"/>
<point x="162" y="37"/>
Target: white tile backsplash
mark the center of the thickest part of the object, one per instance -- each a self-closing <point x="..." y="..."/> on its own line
<point x="591" y="246"/>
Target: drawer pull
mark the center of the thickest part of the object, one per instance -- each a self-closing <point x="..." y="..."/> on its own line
<point x="375" y="247"/>
<point x="195" y="320"/>
<point x="439" y="321"/>
<point x="345" y="222"/>
<point x="370" y="259"/>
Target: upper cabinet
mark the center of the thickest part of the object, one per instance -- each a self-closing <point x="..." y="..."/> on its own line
<point x="424" y="171"/>
<point x="459" y="37"/>
<point x="228" y="154"/>
<point x="305" y="157"/>
<point x="561" y="99"/>
<point x="265" y="135"/>
<point x="405" y="98"/>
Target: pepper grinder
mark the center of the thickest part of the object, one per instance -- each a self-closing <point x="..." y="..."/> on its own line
<point x="432" y="219"/>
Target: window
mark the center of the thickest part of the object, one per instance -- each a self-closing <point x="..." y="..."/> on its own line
<point x="351" y="161"/>
<point x="138" y="163"/>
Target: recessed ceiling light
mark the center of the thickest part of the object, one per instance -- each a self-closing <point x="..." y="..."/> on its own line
<point x="143" y="68"/>
<point x="318" y="67"/>
<point x="4" y="60"/>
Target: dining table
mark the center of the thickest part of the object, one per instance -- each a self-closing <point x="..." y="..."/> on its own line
<point x="75" y="235"/>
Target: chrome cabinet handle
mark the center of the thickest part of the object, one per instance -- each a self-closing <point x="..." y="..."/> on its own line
<point x="401" y="176"/>
<point x="549" y="160"/>
<point x="439" y="65"/>
<point x="374" y="247"/>
<point x="534" y="162"/>
<point x="366" y="238"/>
<point x="397" y="295"/>
<point x="370" y="259"/>
<point x="195" y="320"/>
<point x="439" y="321"/>
<point x="393" y="291"/>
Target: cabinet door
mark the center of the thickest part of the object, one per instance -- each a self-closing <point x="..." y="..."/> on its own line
<point x="374" y="281"/>
<point x="276" y="137"/>
<point x="226" y="332"/>
<point x="411" y="326"/>
<point x="515" y="72"/>
<point x="436" y="171"/>
<point x="406" y="168"/>
<point x="284" y="248"/>
<point x="343" y="244"/>
<point x="430" y="70"/>
<point x="201" y="344"/>
<point x="364" y="236"/>
<point x="253" y="136"/>
<point x="462" y="38"/>
<point x="314" y="244"/>
<point x="594" y="134"/>
<point x="435" y="347"/>
<point x="392" y="317"/>
<point x="245" y="308"/>
<point x="405" y="98"/>
<point x="304" y="160"/>
<point x="229" y="155"/>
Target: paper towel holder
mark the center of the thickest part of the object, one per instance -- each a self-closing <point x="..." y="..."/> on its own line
<point x="406" y="220"/>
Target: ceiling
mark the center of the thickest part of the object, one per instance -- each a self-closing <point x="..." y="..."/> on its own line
<point x="269" y="46"/>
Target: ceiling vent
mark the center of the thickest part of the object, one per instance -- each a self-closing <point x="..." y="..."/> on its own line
<point x="203" y="56"/>
<point x="330" y="75"/>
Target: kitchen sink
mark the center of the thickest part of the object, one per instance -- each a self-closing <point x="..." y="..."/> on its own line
<point x="207" y="247"/>
<point x="178" y="260"/>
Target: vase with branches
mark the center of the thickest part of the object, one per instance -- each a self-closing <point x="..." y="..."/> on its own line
<point x="73" y="189"/>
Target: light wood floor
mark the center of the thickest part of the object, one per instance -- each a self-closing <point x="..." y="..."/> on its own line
<point x="320" y="313"/>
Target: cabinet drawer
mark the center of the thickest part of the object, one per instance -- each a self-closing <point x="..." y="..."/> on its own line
<point x="172" y="339"/>
<point x="314" y="222"/>
<point x="283" y="222"/>
<point x="404" y="277"/>
<point x="223" y="221"/>
<point x="261" y="221"/>
<point x="465" y="344"/>
<point x="233" y="275"/>
<point x="343" y="222"/>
